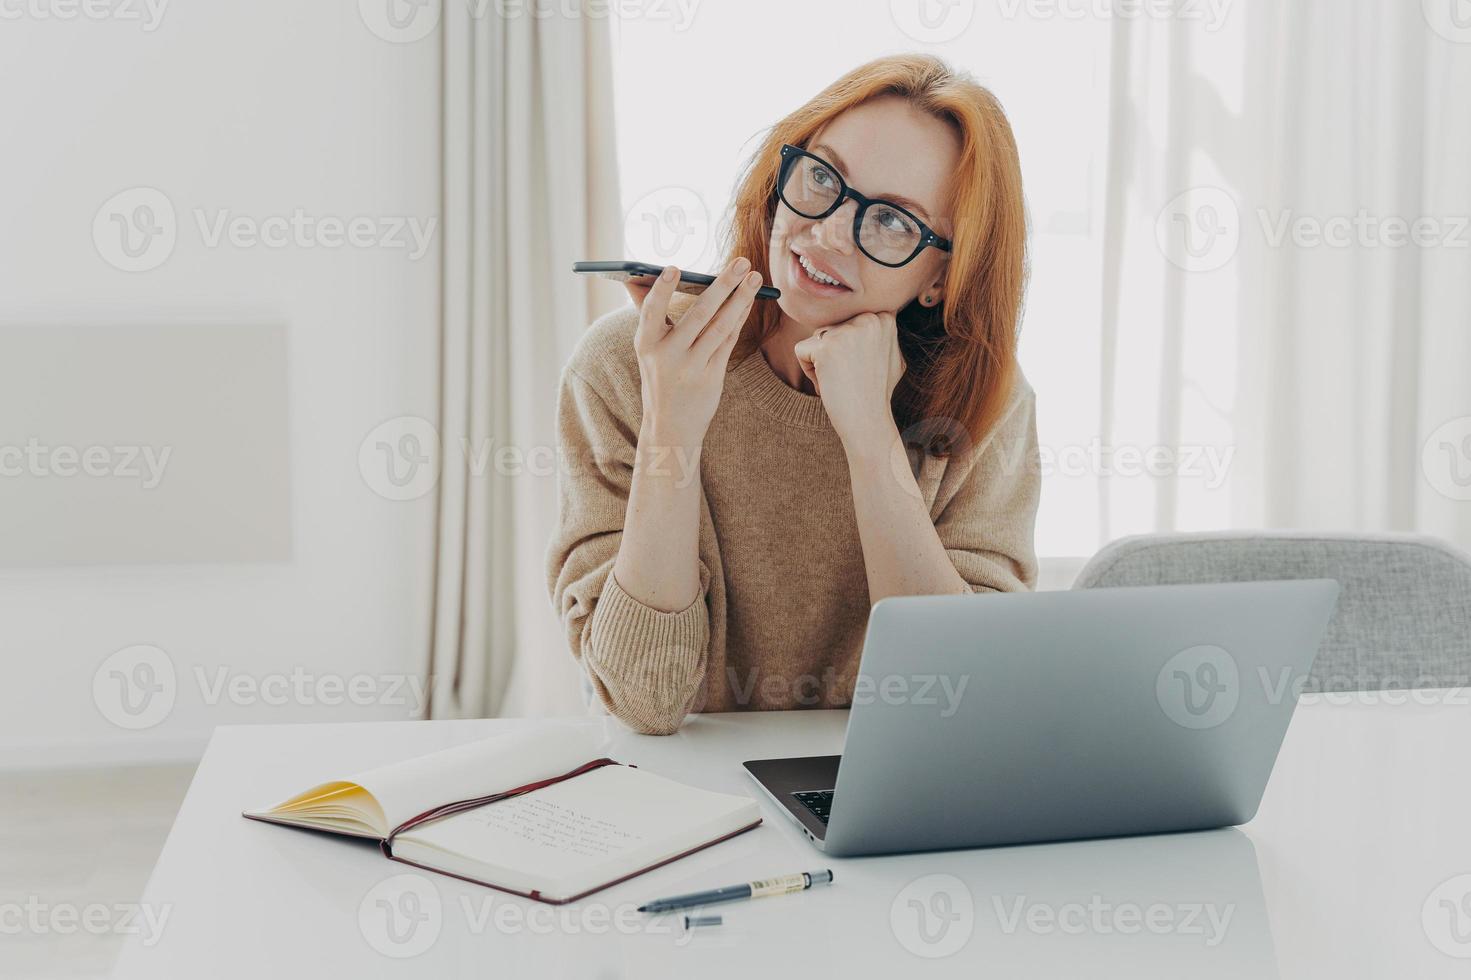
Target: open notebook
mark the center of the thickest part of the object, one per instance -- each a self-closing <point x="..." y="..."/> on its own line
<point x="536" y="813"/>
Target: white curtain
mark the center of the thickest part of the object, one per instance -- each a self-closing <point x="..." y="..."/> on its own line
<point x="1264" y="297"/>
<point x="530" y="185"/>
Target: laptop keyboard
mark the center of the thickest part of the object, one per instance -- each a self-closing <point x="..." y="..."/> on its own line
<point x="819" y="801"/>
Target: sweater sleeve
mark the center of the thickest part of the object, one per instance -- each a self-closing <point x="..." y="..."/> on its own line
<point x="988" y="525"/>
<point x="646" y="665"/>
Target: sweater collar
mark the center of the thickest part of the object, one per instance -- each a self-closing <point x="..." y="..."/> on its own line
<point x="775" y="397"/>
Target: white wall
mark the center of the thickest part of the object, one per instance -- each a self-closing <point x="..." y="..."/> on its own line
<point x="259" y="108"/>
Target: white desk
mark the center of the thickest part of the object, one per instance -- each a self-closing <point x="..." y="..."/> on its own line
<point x="1350" y="870"/>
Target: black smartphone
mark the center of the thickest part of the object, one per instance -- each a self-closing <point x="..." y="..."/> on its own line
<point x="689" y="282"/>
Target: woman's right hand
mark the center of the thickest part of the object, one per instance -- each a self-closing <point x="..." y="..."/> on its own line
<point x="682" y="366"/>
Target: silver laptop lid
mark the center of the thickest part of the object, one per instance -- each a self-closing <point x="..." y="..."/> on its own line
<point x="1015" y="717"/>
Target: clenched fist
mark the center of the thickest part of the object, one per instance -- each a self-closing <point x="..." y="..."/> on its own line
<point x="855" y="366"/>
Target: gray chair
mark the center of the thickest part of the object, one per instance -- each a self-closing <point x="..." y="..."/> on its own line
<point x="1403" y="619"/>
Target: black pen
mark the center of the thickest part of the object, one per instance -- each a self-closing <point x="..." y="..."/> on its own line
<point x="761" y="888"/>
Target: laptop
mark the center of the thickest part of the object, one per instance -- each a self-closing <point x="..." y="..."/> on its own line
<point x="1020" y="717"/>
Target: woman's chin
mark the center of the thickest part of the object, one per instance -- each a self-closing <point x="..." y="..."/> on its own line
<point x="799" y="310"/>
<point x="806" y="308"/>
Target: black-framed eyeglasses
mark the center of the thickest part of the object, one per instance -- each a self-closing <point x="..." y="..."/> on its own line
<point x="884" y="231"/>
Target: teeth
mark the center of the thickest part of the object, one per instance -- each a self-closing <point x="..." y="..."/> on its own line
<point x="812" y="271"/>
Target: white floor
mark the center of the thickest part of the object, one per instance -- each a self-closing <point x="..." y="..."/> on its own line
<point x="70" y="839"/>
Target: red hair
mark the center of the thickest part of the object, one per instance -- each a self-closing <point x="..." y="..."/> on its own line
<point x="961" y="354"/>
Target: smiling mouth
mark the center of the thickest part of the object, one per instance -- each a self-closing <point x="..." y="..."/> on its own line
<point x="809" y="276"/>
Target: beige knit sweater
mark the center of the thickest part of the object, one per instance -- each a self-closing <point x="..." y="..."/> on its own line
<point x="783" y="594"/>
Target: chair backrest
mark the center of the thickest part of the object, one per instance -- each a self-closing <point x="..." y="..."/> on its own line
<point x="1404" y="610"/>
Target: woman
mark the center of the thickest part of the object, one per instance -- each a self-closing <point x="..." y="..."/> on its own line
<point x="750" y="477"/>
